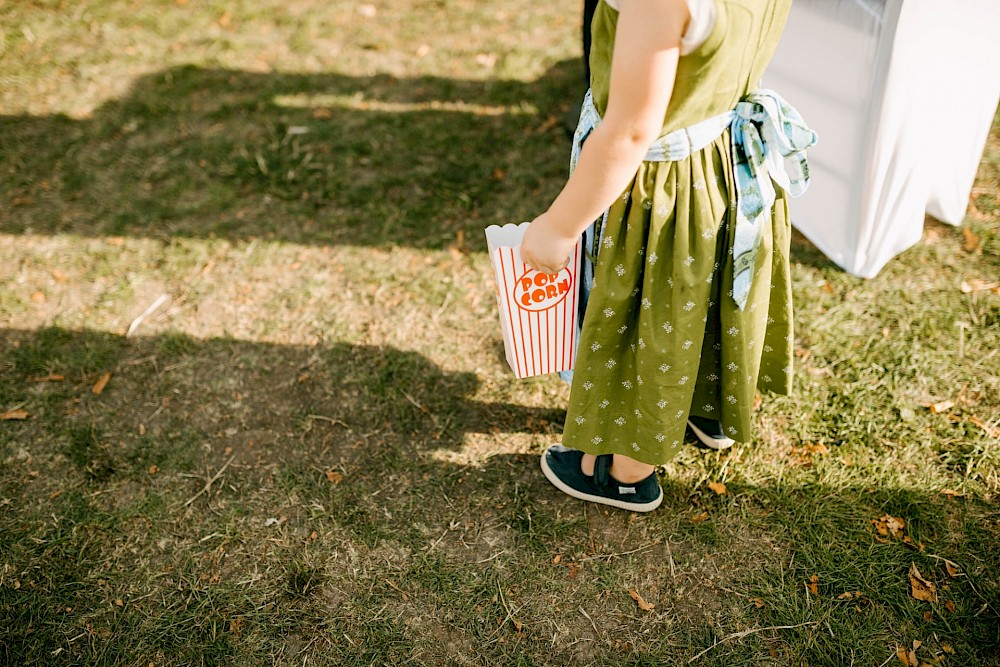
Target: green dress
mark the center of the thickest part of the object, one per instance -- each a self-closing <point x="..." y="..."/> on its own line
<point x="662" y="338"/>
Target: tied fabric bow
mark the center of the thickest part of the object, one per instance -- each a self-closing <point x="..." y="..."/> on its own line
<point x="766" y="131"/>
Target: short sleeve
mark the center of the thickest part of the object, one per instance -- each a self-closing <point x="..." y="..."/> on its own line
<point x="699" y="28"/>
<point x="703" y="16"/>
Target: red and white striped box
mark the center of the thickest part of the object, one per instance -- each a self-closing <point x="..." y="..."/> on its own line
<point x="538" y="311"/>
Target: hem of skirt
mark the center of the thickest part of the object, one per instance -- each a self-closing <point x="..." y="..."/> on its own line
<point x="640" y="456"/>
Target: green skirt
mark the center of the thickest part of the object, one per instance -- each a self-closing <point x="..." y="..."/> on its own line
<point x="662" y="337"/>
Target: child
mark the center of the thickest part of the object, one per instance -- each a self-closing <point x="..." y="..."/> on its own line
<point x="688" y="310"/>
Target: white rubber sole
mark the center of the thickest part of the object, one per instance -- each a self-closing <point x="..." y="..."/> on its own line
<point x="620" y="504"/>
<point x="708" y="440"/>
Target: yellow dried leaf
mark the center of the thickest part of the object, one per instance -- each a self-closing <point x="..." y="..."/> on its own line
<point x="942" y="406"/>
<point x="14" y="414"/>
<point x="949" y="605"/>
<point x="643" y="605"/>
<point x="947" y="648"/>
<point x="952" y="569"/>
<point x="971" y="240"/>
<point x="813" y="584"/>
<point x="334" y="477"/>
<point x="920" y="588"/>
<point x="698" y="518"/>
<point x="557" y="559"/>
<point x="99" y="386"/>
<point x="757" y="602"/>
<point x="845" y="596"/>
<point x="894" y="525"/>
<point x="718" y="487"/>
<point x="153" y="469"/>
<point x="51" y="377"/>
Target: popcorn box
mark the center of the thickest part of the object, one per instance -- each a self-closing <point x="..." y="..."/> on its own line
<point x="538" y="311"/>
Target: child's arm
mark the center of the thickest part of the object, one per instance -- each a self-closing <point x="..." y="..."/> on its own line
<point x="647" y="46"/>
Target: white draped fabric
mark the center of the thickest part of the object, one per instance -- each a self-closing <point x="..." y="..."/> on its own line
<point x="902" y="95"/>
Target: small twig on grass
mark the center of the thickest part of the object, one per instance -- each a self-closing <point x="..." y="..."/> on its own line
<point x="208" y="484"/>
<point x="146" y="313"/>
<point x="597" y="633"/>
<point x="623" y="553"/>
<point x="746" y="633"/>
<point x="324" y="418"/>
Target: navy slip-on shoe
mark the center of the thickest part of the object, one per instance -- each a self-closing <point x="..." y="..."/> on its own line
<point x="710" y="433"/>
<point x="561" y="466"/>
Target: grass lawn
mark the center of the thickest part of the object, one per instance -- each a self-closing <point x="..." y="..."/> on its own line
<point x="311" y="451"/>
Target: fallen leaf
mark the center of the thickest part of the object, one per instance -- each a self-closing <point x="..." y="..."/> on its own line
<point x="119" y="602"/>
<point x="334" y="477"/>
<point x="952" y="493"/>
<point x="571" y="570"/>
<point x="947" y="648"/>
<point x="813" y="584"/>
<point x="142" y="429"/>
<point x="943" y="406"/>
<point x="698" y="518"/>
<point x="952" y="569"/>
<point x="313" y="536"/>
<point x="643" y="605"/>
<point x="38" y="297"/>
<point x="153" y="469"/>
<point x="757" y="602"/>
<point x="718" y="487"/>
<point x="920" y="588"/>
<point x="99" y="386"/>
<point x="51" y="377"/>
<point x="928" y="616"/>
<point x="845" y="596"/>
<point x="55" y="494"/>
<point x="557" y="559"/>
<point x="971" y="240"/>
<point x="949" y="605"/>
<point x="14" y="414"/>
<point x="908" y="541"/>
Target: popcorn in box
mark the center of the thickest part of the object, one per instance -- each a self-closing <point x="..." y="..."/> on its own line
<point x="538" y="311"/>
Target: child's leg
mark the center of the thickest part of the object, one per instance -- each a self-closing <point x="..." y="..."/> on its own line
<point x="623" y="468"/>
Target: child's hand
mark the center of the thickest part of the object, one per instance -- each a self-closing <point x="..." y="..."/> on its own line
<point x="544" y="248"/>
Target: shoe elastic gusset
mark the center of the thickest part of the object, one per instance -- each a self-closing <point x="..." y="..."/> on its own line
<point x="709" y="432"/>
<point x="561" y="466"/>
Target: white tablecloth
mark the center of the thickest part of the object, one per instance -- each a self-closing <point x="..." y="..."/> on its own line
<point x="902" y="95"/>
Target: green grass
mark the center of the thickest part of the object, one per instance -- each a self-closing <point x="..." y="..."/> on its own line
<point x="328" y="360"/>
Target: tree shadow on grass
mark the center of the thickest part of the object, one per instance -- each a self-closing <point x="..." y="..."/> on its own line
<point x="317" y="159"/>
<point x="352" y="454"/>
<point x="307" y="158"/>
